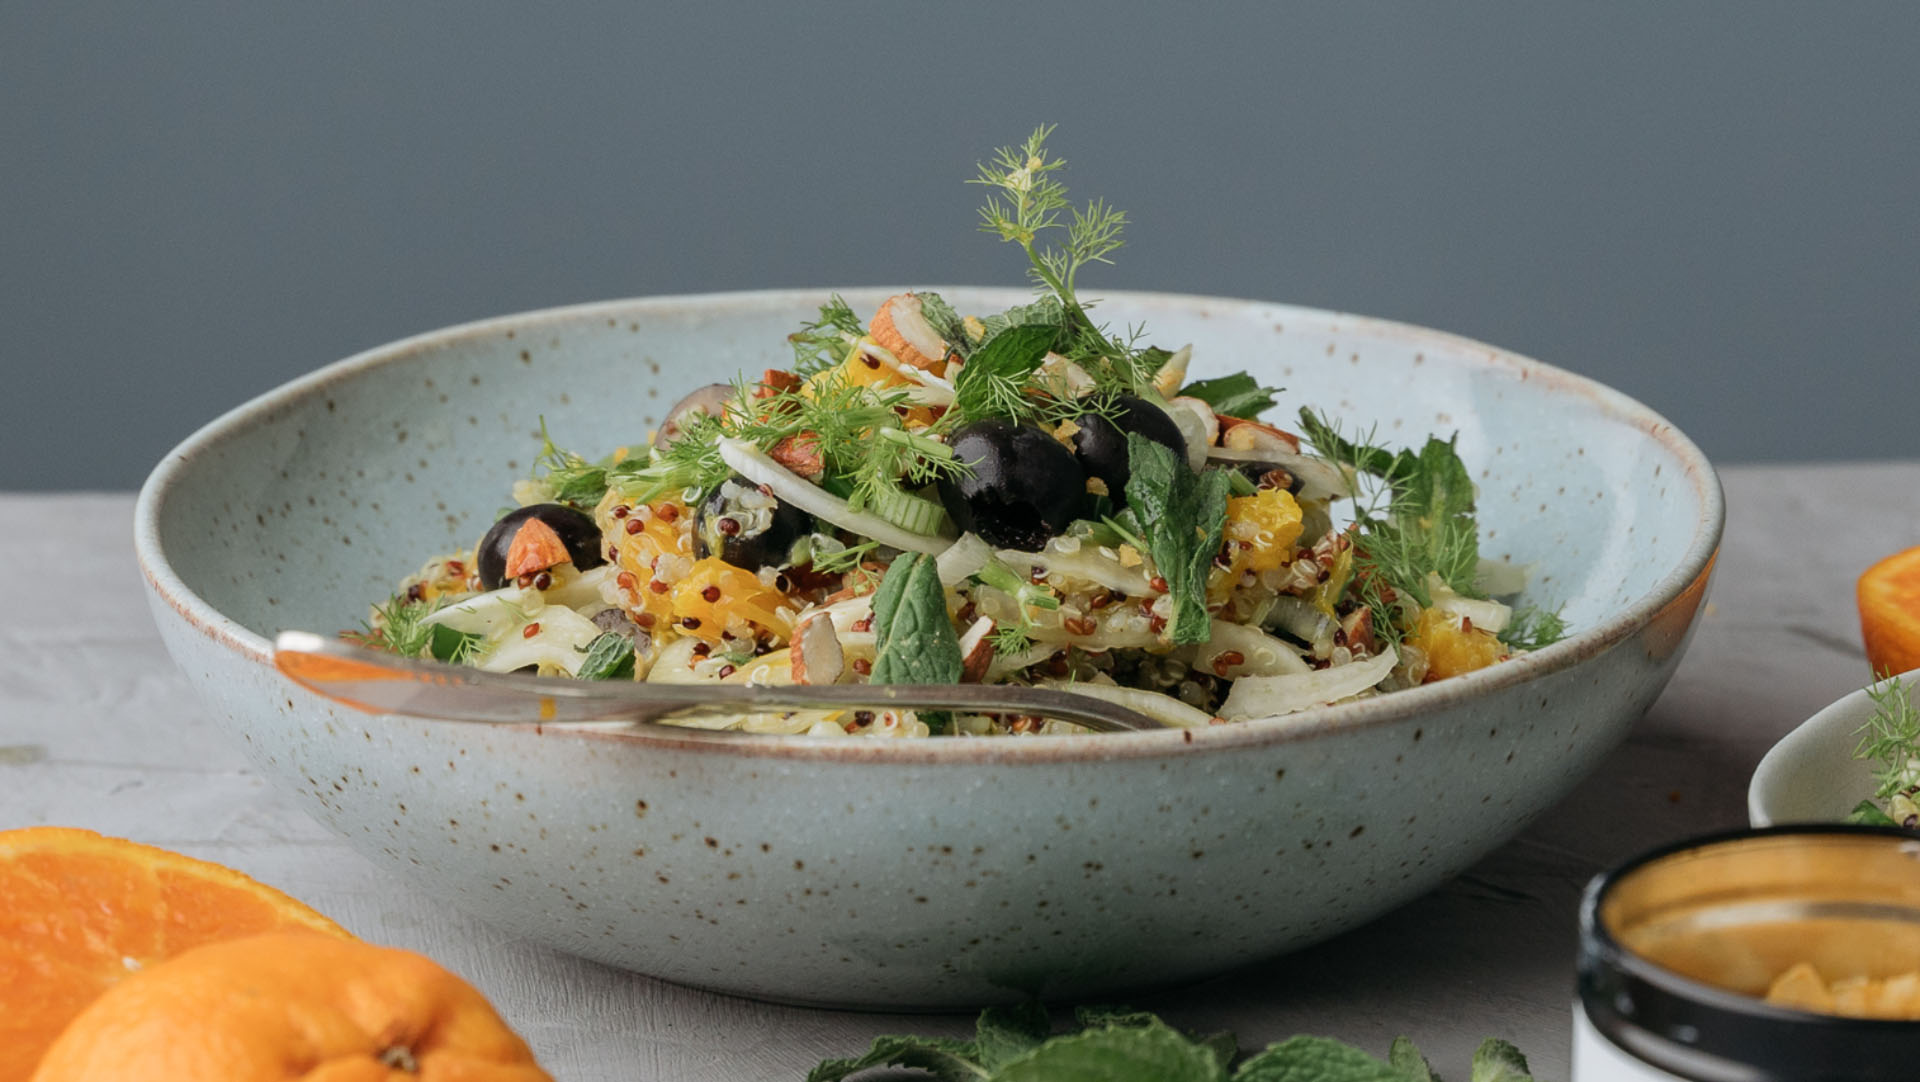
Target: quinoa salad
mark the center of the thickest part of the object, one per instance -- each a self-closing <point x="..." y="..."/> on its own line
<point x="921" y="495"/>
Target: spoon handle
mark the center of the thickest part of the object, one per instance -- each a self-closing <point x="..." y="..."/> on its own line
<point x="383" y="683"/>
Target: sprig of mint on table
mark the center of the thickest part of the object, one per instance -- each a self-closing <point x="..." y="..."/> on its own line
<point x="1114" y="1044"/>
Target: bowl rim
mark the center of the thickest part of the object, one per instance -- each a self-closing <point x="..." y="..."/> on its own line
<point x="1404" y="707"/>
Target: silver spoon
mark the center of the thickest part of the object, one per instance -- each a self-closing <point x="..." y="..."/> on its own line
<point x="383" y="683"/>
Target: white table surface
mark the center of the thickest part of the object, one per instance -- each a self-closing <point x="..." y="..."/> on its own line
<point x="98" y="731"/>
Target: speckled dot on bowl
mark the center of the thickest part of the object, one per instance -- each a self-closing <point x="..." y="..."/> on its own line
<point x="930" y="873"/>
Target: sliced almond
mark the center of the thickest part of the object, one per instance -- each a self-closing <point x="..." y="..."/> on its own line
<point x="1358" y="626"/>
<point x="976" y="651"/>
<point x="535" y="547"/>
<point x="816" y="654"/>
<point x="801" y="454"/>
<point x="900" y="327"/>
<point x="1242" y="434"/>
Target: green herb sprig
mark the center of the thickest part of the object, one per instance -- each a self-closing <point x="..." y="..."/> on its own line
<point x="1238" y="395"/>
<point x="1114" y="1044"/>
<point x="400" y="627"/>
<point x="1182" y="515"/>
<point x="1890" y="739"/>
<point x="823" y="342"/>
<point x="1028" y="207"/>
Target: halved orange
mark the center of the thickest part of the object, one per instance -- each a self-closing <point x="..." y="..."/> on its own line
<point x="1889" y="599"/>
<point x="286" y="1006"/>
<point x="79" y="911"/>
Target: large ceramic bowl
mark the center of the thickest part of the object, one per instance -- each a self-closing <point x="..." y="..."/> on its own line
<point x="936" y="872"/>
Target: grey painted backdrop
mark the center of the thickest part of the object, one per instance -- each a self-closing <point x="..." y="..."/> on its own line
<point x="1709" y="206"/>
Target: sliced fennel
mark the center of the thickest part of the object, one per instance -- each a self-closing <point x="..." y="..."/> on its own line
<point x="1270" y="696"/>
<point x="753" y="464"/>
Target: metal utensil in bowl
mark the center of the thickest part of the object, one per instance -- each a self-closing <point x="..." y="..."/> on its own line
<point x="384" y="683"/>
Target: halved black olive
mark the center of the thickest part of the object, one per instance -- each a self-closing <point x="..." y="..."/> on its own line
<point x="712" y="398"/>
<point x="576" y="530"/>
<point x="748" y="528"/>
<point x="1023" y="486"/>
<point x="1101" y="442"/>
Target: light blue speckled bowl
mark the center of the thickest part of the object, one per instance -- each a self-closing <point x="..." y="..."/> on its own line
<point x="930" y="873"/>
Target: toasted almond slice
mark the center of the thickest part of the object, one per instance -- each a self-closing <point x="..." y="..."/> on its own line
<point x="1259" y="436"/>
<point x="774" y="381"/>
<point x="535" y="547"/>
<point x="817" y="657"/>
<point x="976" y="652"/>
<point x="1173" y="374"/>
<point x="801" y="454"/>
<point x="904" y="331"/>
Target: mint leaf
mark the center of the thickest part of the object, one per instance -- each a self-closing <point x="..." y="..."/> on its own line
<point x="1315" y="1059"/>
<point x="1046" y="312"/>
<point x="1153" y="1053"/>
<point x="446" y="644"/>
<point x="993" y="383"/>
<point x="609" y="657"/>
<point x="1497" y="1061"/>
<point x="1238" y="395"/>
<point x="1182" y="515"/>
<point x="947" y="1060"/>
<point x="1868" y="813"/>
<point x="1005" y="1033"/>
<point x="1406" y="1059"/>
<point x="915" y="641"/>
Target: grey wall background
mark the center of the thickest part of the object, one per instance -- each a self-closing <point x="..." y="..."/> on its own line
<point x="1709" y="206"/>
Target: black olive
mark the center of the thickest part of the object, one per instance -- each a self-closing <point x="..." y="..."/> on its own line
<point x="712" y="398"/>
<point x="1023" y="486"/>
<point x="1269" y="475"/>
<point x="748" y="528"/>
<point x="1101" y="442"/>
<point x="576" y="529"/>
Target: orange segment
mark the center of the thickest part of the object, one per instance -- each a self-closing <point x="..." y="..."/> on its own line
<point x="1889" y="599"/>
<point x="290" y="1005"/>
<point x="80" y="911"/>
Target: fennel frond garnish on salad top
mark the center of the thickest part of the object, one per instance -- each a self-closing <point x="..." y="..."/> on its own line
<point x="1026" y="496"/>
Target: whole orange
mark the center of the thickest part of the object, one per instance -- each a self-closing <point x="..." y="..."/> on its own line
<point x="80" y="912"/>
<point x="282" y="1006"/>
<point x="1889" y="598"/>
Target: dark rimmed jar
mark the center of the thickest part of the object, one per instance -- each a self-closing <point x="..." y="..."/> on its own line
<point x="1679" y="945"/>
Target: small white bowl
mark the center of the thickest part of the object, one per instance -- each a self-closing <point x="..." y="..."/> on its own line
<point x="1811" y="776"/>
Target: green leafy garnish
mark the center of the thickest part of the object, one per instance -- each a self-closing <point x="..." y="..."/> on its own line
<point x="843" y="559"/>
<point x="1182" y="515"/>
<point x="822" y="343"/>
<point x="1533" y="627"/>
<point x="1029" y="206"/>
<point x="400" y="627"/>
<point x="568" y="478"/>
<point x="994" y="381"/>
<point x="1009" y="639"/>
<point x="609" y="657"/>
<point x="1891" y="740"/>
<point x="1427" y="525"/>
<point x="1238" y="395"/>
<point x="946" y="323"/>
<point x="914" y="639"/>
<point x="1119" y="1045"/>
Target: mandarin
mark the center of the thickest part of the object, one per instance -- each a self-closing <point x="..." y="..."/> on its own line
<point x="292" y="1005"/>
<point x="1889" y="598"/>
<point x="79" y="912"/>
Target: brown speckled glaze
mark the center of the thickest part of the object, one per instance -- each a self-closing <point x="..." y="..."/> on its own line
<point x="930" y="873"/>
